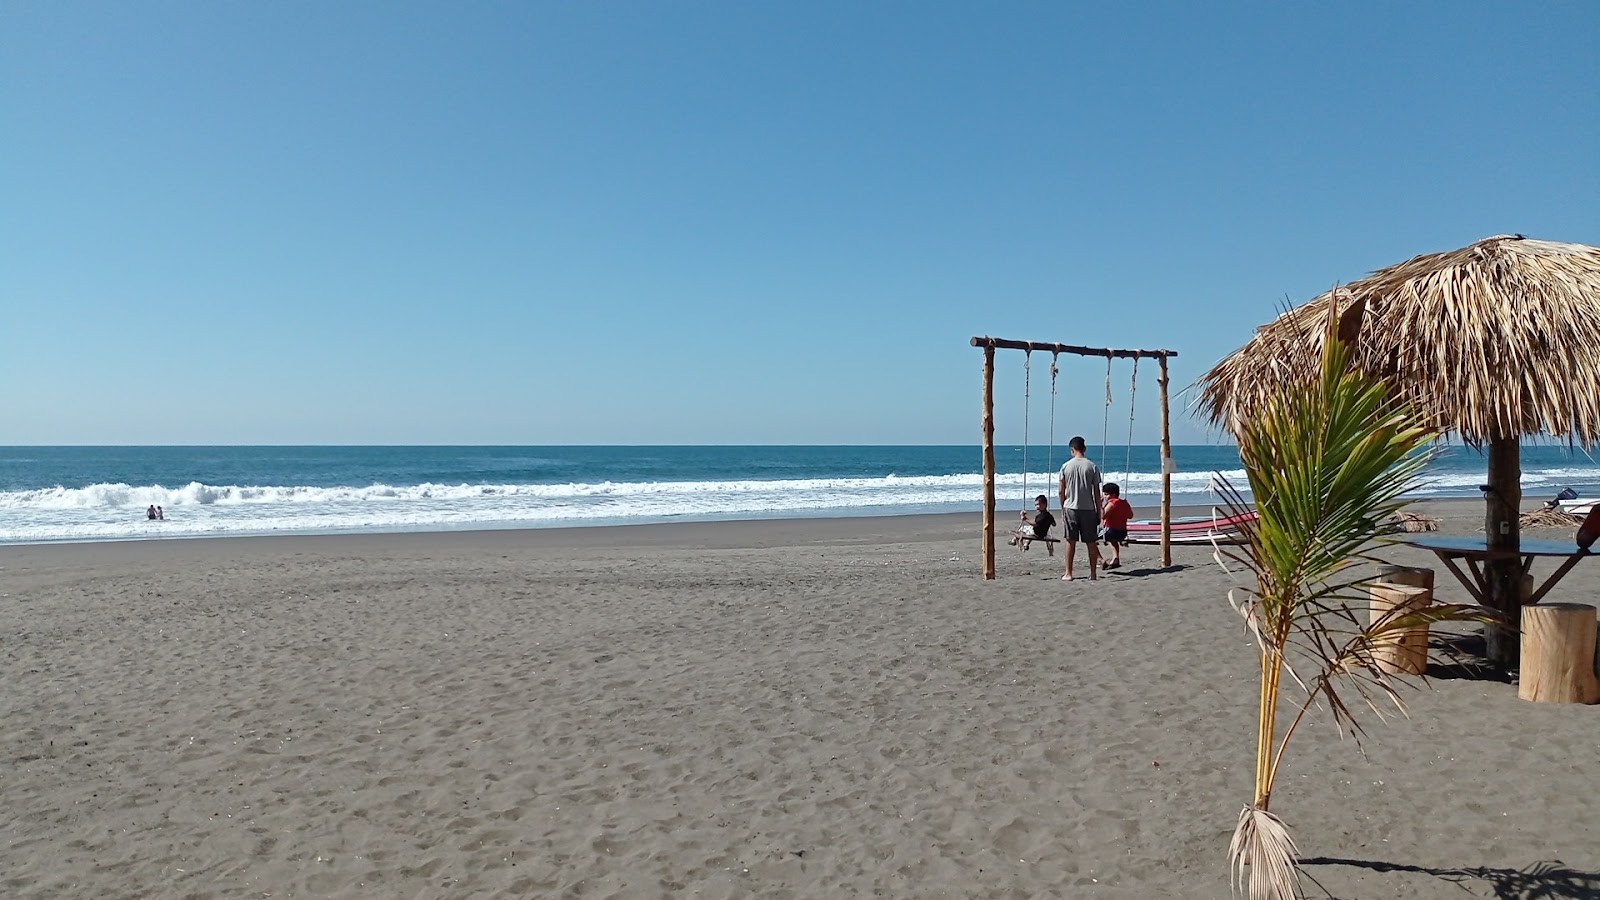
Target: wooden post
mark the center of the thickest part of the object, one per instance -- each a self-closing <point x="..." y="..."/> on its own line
<point x="988" y="463"/>
<point x="1401" y="651"/>
<point x="1503" y="501"/>
<point x="1166" y="471"/>
<point x="1558" y="654"/>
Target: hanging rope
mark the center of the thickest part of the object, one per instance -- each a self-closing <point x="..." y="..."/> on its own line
<point x="1050" y="455"/>
<point x="1127" y="460"/>
<point x="1105" y="423"/>
<point x="1027" y="385"/>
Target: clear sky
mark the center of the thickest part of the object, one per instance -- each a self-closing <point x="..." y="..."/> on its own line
<point x="727" y="222"/>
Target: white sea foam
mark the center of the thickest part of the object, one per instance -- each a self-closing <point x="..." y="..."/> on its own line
<point x="116" y="511"/>
<point x="112" y="511"/>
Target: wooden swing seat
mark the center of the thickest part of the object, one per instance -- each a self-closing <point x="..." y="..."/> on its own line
<point x="1018" y="539"/>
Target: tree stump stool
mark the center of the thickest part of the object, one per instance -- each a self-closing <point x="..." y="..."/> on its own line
<point x="1415" y="576"/>
<point x="1558" y="654"/>
<point x="1404" y="651"/>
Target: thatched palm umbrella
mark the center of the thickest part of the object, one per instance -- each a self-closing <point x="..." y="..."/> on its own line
<point x="1492" y="341"/>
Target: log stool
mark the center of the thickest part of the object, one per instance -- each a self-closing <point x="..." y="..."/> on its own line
<point x="1403" y="652"/>
<point x="1416" y="576"/>
<point x="1558" y="664"/>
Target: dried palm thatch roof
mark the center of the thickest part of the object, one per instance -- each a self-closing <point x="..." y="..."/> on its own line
<point x="1498" y="339"/>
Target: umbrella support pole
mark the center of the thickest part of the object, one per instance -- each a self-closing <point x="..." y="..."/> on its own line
<point x="1503" y="501"/>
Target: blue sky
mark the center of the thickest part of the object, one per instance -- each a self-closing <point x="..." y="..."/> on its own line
<point x="720" y="222"/>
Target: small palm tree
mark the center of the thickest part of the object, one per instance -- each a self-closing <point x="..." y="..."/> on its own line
<point x="1327" y="463"/>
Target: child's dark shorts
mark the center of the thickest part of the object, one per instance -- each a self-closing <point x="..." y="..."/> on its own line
<point x="1117" y="535"/>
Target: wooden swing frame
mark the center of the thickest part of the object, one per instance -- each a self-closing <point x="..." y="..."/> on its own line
<point x="989" y="345"/>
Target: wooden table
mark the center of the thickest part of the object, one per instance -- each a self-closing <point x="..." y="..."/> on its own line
<point x="1475" y="550"/>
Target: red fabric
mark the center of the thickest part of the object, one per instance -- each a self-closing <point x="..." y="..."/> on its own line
<point x="1117" y="513"/>
<point x="1193" y="525"/>
<point x="1590" y="530"/>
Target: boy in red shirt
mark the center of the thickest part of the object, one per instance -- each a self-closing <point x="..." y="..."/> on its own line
<point x="1115" y="512"/>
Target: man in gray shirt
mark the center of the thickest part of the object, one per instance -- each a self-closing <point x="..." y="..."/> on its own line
<point x="1080" y="506"/>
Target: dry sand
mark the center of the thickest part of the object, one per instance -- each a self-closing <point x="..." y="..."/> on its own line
<point x="797" y="709"/>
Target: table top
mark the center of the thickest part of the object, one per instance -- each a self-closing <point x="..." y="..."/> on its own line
<point x="1478" y="545"/>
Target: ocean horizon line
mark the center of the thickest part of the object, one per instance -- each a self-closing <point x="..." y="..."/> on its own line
<point x="181" y="446"/>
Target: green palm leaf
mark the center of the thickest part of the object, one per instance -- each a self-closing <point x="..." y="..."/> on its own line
<point x="1328" y="462"/>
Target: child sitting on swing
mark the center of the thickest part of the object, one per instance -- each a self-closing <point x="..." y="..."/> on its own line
<point x="1115" y="512"/>
<point x="1026" y="534"/>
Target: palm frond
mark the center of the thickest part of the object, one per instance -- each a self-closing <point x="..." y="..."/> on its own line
<point x="1548" y="518"/>
<point x="1262" y="856"/>
<point x="1414" y="522"/>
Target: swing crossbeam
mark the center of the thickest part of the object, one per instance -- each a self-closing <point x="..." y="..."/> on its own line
<point x="989" y="345"/>
<point x="1004" y="344"/>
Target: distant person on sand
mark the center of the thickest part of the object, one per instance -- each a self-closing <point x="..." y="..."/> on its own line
<point x="1116" y="514"/>
<point x="161" y="513"/>
<point x="1079" y="490"/>
<point x="151" y="513"/>
<point x="1039" y="528"/>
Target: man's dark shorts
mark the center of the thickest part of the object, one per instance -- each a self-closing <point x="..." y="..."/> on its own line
<point x="1082" y="524"/>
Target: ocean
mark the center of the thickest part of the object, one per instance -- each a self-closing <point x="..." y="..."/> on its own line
<point x="50" y="494"/>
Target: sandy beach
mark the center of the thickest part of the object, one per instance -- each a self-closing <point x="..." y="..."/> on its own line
<point x="821" y="708"/>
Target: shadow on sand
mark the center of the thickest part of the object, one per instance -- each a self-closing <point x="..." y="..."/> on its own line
<point x="1467" y="660"/>
<point x="1147" y="571"/>
<point x="1550" y="880"/>
<point x="1115" y="574"/>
